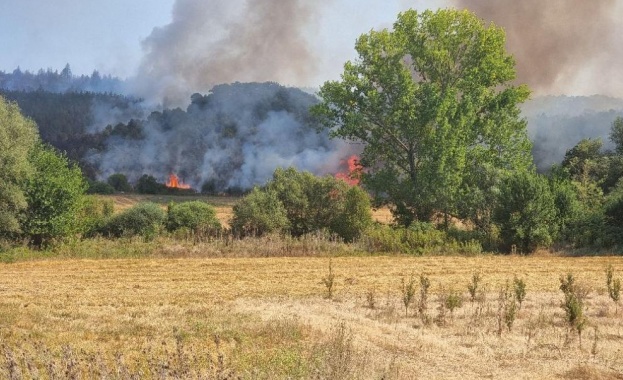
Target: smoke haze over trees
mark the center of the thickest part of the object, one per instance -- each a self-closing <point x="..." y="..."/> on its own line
<point x="232" y="138"/>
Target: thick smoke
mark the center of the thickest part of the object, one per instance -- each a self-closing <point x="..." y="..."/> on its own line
<point x="233" y="138"/>
<point x="214" y="42"/>
<point x="561" y="46"/>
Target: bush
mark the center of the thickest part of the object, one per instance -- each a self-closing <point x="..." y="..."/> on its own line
<point x="93" y="214"/>
<point x="196" y="216"/>
<point x="526" y="213"/>
<point x="259" y="213"/>
<point x="143" y="219"/>
<point x="119" y="182"/>
<point x="354" y="217"/>
<point x="54" y="195"/>
<point x="99" y="187"/>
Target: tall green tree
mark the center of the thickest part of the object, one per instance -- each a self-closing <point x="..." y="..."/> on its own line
<point x="18" y="136"/>
<point x="616" y="135"/>
<point x="54" y="194"/>
<point x="433" y="102"/>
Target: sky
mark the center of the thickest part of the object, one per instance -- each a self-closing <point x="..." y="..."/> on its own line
<point x="106" y="34"/>
<point x="573" y="47"/>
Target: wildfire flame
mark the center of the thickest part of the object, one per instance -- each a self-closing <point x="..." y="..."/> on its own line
<point x="353" y="173"/>
<point x="175" y="182"/>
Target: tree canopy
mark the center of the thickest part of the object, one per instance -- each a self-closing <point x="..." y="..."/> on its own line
<point x="18" y="136"/>
<point x="433" y="103"/>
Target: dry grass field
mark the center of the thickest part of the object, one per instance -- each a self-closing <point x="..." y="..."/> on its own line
<point x="267" y="318"/>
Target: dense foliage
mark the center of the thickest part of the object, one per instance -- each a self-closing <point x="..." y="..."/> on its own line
<point x="18" y="136"/>
<point x="301" y="203"/>
<point x="195" y="216"/>
<point x="433" y="103"/>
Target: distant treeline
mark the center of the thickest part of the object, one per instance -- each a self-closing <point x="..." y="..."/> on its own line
<point x="59" y="82"/>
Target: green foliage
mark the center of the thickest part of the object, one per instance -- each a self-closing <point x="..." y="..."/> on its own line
<point x="54" y="195"/>
<point x="613" y="208"/>
<point x="472" y="287"/>
<point x="119" y="182"/>
<point x="613" y="286"/>
<point x="573" y="304"/>
<point x="315" y="203"/>
<point x="353" y="217"/>
<point x="419" y="239"/>
<point x="144" y="219"/>
<point x="432" y="102"/>
<point x="99" y="187"/>
<point x="147" y="184"/>
<point x="408" y="292"/>
<point x="196" y="216"/>
<point x="616" y="135"/>
<point x="507" y="308"/>
<point x="423" y="301"/>
<point x="519" y="286"/>
<point x="18" y="136"/>
<point x="258" y="213"/>
<point x="526" y="212"/>
<point x="452" y="301"/>
<point x="93" y="214"/>
<point x="566" y="202"/>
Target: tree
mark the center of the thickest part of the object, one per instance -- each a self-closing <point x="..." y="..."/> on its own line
<point x="148" y="184"/>
<point x="54" y="194"/>
<point x="18" y="136"/>
<point x="119" y="182"/>
<point x="616" y="135"/>
<point x="526" y="212"/>
<point x="432" y="102"/>
<point x="258" y="213"/>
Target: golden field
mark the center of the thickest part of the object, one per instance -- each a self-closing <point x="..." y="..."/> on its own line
<point x="270" y="318"/>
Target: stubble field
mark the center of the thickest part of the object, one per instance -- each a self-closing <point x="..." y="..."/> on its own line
<point x="271" y="318"/>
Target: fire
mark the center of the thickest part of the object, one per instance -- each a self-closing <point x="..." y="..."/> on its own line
<point x="353" y="173"/>
<point x="175" y="182"/>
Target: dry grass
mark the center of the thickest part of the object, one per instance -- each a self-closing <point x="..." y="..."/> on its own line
<point x="268" y="318"/>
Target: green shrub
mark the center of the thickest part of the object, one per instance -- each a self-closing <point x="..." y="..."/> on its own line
<point x="526" y="212"/>
<point x="315" y="203"/>
<point x="143" y="219"/>
<point x="54" y="195"/>
<point x="259" y="213"/>
<point x="196" y="216"/>
<point x="119" y="182"/>
<point x="98" y="187"/>
<point x="354" y="216"/>
<point x="93" y="214"/>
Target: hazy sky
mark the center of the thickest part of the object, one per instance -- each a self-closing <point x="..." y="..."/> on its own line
<point x="563" y="46"/>
<point x="107" y="34"/>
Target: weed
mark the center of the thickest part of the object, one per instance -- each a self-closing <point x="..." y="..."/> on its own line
<point x="472" y="287"/>
<point x="329" y="281"/>
<point x="339" y="354"/>
<point x="371" y="298"/>
<point x="408" y="292"/>
<point x="507" y="308"/>
<point x="614" y="287"/>
<point x="453" y="300"/>
<point x="519" y="286"/>
<point x="423" y="301"/>
<point x="573" y="304"/>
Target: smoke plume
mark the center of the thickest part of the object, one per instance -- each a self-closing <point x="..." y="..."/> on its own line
<point x="230" y="139"/>
<point x="561" y="46"/>
<point x="214" y="42"/>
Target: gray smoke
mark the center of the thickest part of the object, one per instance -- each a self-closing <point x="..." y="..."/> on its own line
<point x="214" y="42"/>
<point x="233" y="138"/>
<point x="561" y="46"/>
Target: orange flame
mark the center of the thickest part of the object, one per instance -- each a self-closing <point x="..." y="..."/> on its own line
<point x="174" y="182"/>
<point x="353" y="174"/>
